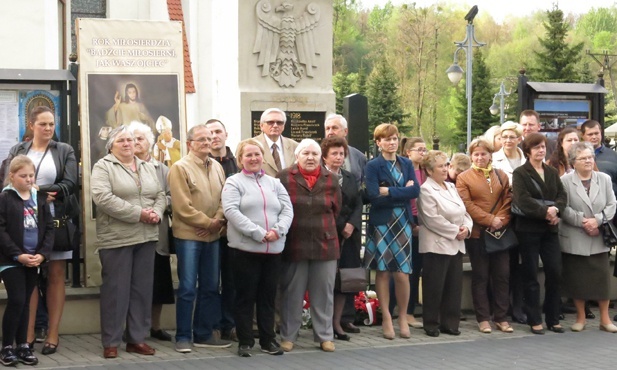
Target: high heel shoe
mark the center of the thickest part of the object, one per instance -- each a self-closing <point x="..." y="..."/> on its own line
<point x="388" y="329"/>
<point x="404" y="329"/>
<point x="50" y="348"/>
<point x="342" y="336"/>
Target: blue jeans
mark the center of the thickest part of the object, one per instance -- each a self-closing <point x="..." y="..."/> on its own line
<point x="198" y="272"/>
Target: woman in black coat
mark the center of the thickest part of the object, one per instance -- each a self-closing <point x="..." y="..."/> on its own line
<point x="334" y="150"/>
<point x="538" y="199"/>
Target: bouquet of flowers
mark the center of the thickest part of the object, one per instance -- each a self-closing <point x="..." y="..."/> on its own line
<point x="367" y="308"/>
<point x="307" y="323"/>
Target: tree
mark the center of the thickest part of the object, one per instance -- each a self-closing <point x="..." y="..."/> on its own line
<point x="384" y="102"/>
<point x="481" y="99"/>
<point x="341" y="83"/>
<point x="556" y="61"/>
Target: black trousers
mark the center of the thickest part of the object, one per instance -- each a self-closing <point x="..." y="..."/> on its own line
<point x="227" y="288"/>
<point x="546" y="246"/>
<point x="442" y="287"/>
<point x="256" y="276"/>
<point x="19" y="282"/>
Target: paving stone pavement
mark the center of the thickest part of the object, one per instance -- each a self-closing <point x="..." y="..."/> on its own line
<point x="591" y="349"/>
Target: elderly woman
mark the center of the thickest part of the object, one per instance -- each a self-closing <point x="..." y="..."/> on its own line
<point x="163" y="289"/>
<point x="129" y="205"/>
<point x="444" y="225"/>
<point x="486" y="194"/>
<point x="56" y="174"/>
<point x="390" y="184"/>
<point x="257" y="229"/>
<point x="559" y="158"/>
<point x="591" y="199"/>
<point x="312" y="246"/>
<point x="334" y="150"/>
<point x="540" y="198"/>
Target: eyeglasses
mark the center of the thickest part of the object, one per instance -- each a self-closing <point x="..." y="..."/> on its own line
<point x="419" y="150"/>
<point x="272" y="123"/>
<point x="511" y="138"/>
<point x="588" y="158"/>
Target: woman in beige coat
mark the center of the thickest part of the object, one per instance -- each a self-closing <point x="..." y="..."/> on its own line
<point x="444" y="225"/>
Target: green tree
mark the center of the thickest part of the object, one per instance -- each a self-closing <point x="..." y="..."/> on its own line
<point x="557" y="59"/>
<point x="481" y="99"/>
<point x="384" y="102"/>
<point x="341" y="83"/>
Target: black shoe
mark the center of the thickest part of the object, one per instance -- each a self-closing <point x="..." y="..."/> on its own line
<point x="40" y="334"/>
<point x="432" y="332"/>
<point x="537" y="331"/>
<point x="588" y="313"/>
<point x="350" y="328"/>
<point x="49" y="348"/>
<point x="25" y="356"/>
<point x="160" y="335"/>
<point x="340" y="336"/>
<point x="557" y="329"/>
<point x="273" y="348"/>
<point x="520" y="318"/>
<point x="244" y="350"/>
<point x="450" y="331"/>
<point x="8" y="357"/>
<point x="561" y="317"/>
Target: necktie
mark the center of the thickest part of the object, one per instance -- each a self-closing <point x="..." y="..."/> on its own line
<point x="275" y="155"/>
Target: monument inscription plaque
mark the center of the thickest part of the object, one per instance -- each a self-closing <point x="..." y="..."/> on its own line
<point x="299" y="125"/>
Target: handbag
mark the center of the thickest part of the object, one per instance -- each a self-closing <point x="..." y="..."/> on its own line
<point x="64" y="228"/>
<point x="609" y="232"/>
<point x="502" y="239"/>
<point x="543" y="202"/>
<point x="350" y="280"/>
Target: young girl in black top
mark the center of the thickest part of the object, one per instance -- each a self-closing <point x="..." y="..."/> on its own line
<point x="26" y="238"/>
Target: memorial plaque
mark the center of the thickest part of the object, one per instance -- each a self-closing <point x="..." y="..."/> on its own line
<point x="299" y="125"/>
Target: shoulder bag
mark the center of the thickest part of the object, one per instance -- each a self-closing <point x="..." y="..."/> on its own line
<point x="609" y="232"/>
<point x="549" y="203"/>
<point x="350" y="280"/>
<point x="502" y="239"/>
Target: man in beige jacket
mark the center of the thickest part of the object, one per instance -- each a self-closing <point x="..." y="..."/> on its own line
<point x="196" y="182"/>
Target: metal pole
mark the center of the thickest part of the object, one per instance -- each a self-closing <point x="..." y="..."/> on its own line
<point x="502" y="95"/>
<point x="469" y="52"/>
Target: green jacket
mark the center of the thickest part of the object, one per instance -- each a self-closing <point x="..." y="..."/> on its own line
<point x="119" y="199"/>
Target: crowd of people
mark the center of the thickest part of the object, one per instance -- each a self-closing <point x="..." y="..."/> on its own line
<point x="255" y="231"/>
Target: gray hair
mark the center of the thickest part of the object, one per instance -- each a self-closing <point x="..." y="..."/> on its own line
<point x="576" y="148"/>
<point x="339" y="117"/>
<point x="136" y="126"/>
<point x="191" y="133"/>
<point x="305" y="143"/>
<point x="272" y="110"/>
<point x="114" y="133"/>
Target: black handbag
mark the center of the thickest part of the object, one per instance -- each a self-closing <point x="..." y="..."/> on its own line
<point x="502" y="239"/>
<point x="609" y="232"/>
<point x="64" y="227"/>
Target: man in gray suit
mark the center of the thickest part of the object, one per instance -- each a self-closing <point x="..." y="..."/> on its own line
<point x="278" y="150"/>
<point x="336" y="125"/>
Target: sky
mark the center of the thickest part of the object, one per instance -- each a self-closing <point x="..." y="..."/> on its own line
<point x="500" y="9"/>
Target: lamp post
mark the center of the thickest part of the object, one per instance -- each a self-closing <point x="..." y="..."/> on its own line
<point x="455" y="72"/>
<point x="502" y="95"/>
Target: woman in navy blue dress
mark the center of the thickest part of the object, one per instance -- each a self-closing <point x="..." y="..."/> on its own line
<point x="390" y="184"/>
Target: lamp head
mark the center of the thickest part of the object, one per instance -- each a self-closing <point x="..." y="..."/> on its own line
<point x="455" y="73"/>
<point x="494" y="109"/>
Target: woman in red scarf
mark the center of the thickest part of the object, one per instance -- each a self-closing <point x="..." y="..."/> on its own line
<point x="311" y="248"/>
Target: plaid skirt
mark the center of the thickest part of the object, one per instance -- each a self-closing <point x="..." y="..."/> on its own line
<point x="389" y="246"/>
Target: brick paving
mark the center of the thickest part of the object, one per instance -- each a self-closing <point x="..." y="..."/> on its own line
<point x="369" y="350"/>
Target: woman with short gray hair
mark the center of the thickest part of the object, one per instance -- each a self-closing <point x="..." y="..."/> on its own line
<point x="129" y="205"/>
<point x="585" y="258"/>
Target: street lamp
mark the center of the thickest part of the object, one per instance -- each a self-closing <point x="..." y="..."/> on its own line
<point x="455" y="72"/>
<point x="494" y="108"/>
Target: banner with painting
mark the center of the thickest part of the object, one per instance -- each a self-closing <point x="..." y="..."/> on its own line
<point x="128" y="71"/>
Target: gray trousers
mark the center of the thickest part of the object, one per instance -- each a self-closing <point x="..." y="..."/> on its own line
<point x="318" y="278"/>
<point x="126" y="293"/>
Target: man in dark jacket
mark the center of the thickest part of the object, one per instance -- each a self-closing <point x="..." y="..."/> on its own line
<point x="222" y="154"/>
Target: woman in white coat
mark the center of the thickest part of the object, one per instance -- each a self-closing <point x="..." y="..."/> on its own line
<point x="444" y="225"/>
<point x="585" y="261"/>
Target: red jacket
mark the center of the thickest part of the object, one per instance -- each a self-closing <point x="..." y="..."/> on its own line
<point x="313" y="234"/>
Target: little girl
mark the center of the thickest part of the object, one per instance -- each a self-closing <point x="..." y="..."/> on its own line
<point x="26" y="239"/>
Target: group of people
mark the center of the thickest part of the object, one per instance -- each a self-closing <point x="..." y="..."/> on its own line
<point x="255" y="231"/>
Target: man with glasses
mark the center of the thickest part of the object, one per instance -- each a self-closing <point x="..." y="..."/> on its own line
<point x="278" y="150"/>
<point x="196" y="182"/>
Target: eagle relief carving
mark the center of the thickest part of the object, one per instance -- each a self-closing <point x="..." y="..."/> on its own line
<point x="285" y="43"/>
